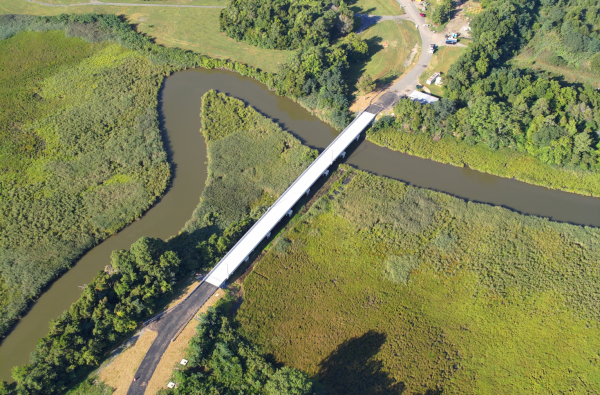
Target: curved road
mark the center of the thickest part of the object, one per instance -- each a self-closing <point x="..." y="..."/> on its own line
<point x="409" y="80"/>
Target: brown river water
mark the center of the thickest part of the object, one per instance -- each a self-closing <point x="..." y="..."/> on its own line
<point x="180" y="107"/>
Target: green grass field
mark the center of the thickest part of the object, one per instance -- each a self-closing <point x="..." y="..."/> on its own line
<point x="376" y="7"/>
<point x="195" y="29"/>
<point x="390" y="44"/>
<point x="383" y="288"/>
<point x="222" y="3"/>
<point x="441" y="61"/>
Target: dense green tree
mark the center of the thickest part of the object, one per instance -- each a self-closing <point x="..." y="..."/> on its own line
<point x="442" y="11"/>
<point x="285" y="24"/>
<point x="222" y="361"/>
<point x="365" y="84"/>
<point x="488" y="103"/>
<point x="109" y="307"/>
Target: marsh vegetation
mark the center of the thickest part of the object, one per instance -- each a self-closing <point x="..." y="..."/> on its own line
<point x="244" y="148"/>
<point x="81" y="154"/>
<point x="384" y="288"/>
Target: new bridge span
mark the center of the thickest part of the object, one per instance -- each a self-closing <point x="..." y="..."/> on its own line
<point x="169" y="324"/>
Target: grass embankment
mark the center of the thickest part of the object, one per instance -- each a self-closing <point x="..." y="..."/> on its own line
<point x="441" y="61"/>
<point x="250" y="162"/>
<point x="390" y="44"/>
<point x="384" y="287"/>
<point x="81" y="154"/>
<point x="503" y="162"/>
<point x="376" y="7"/>
<point x="195" y="29"/>
<point x="537" y="55"/>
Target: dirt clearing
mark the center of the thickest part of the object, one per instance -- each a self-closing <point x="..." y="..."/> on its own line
<point x="119" y="373"/>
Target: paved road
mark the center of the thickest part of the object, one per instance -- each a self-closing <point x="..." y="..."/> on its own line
<point x="167" y="327"/>
<point x="96" y="2"/>
<point x="411" y="79"/>
<point x="428" y="37"/>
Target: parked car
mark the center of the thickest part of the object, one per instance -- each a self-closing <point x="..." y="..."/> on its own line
<point x="423" y="15"/>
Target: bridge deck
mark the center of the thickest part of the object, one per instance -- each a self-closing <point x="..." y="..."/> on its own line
<point x="262" y="228"/>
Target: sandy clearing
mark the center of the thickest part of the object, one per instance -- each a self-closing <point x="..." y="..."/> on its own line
<point x="119" y="373"/>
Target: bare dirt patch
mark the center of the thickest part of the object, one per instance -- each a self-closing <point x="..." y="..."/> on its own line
<point x="171" y="359"/>
<point x="411" y="57"/>
<point x="461" y="19"/>
<point x="119" y="372"/>
<point x="362" y="102"/>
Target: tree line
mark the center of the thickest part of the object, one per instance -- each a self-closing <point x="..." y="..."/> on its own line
<point x="110" y="306"/>
<point x="286" y="24"/>
<point x="320" y="33"/>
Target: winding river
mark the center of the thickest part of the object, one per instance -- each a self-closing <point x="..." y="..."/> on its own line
<point x="179" y="109"/>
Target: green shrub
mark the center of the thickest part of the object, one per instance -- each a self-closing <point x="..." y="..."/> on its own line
<point x="595" y="63"/>
<point x="229" y="364"/>
<point x="557" y="60"/>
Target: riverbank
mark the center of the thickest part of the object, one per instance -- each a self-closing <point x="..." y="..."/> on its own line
<point x="507" y="163"/>
<point x="81" y="154"/>
<point x="385" y="287"/>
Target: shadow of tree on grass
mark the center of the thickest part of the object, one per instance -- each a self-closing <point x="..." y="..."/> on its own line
<point x="358" y="68"/>
<point x="352" y="369"/>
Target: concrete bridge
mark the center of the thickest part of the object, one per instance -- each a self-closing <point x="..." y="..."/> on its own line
<point x="169" y="324"/>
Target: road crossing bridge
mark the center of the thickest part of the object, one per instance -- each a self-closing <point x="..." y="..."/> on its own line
<point x="283" y="206"/>
<point x="169" y="324"/>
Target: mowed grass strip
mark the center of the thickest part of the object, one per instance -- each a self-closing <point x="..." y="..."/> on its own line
<point x="195" y="29"/>
<point x="390" y="44"/>
<point x="376" y="7"/>
<point x="222" y="3"/>
<point x="384" y="288"/>
<point x="441" y="61"/>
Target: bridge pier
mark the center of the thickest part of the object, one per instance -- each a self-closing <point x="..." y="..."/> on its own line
<point x="343" y="154"/>
<point x="268" y="235"/>
<point x="357" y="137"/>
<point x="307" y="191"/>
<point x="325" y="173"/>
<point x="289" y="213"/>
